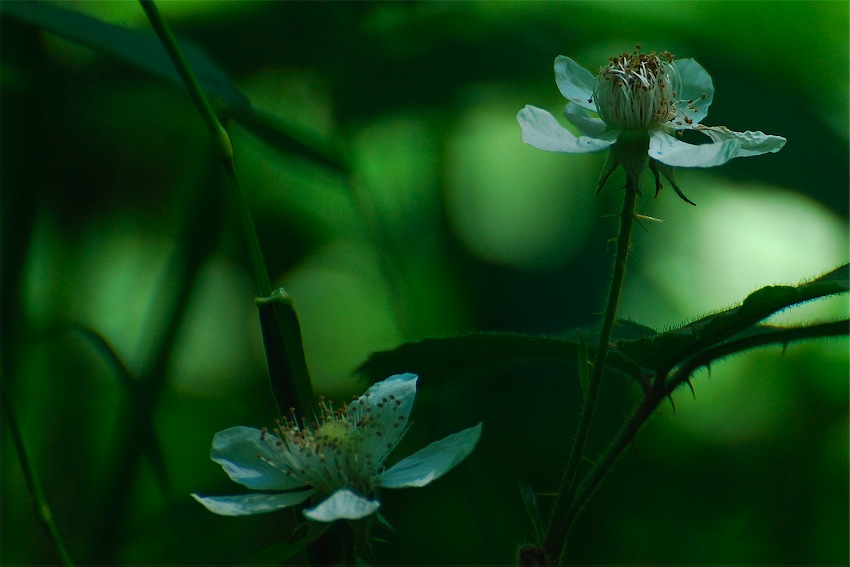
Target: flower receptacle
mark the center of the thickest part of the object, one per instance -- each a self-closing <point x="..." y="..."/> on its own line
<point x="631" y="152"/>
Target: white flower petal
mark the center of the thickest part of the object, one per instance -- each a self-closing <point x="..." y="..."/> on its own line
<point x="578" y="117"/>
<point x="343" y="504"/>
<point x="695" y="82"/>
<point x="387" y="404"/>
<point x="238" y="451"/>
<point x="247" y="504"/>
<point x="399" y="386"/>
<point x="668" y="150"/>
<point x="432" y="462"/>
<point x="541" y="130"/>
<point x="575" y="82"/>
<point x="752" y="143"/>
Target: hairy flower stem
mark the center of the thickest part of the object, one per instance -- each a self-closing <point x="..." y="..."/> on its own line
<point x="624" y="438"/>
<point x="664" y="386"/>
<point x="220" y="139"/>
<point x="559" y="526"/>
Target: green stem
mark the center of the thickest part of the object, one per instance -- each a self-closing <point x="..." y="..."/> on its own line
<point x="40" y="505"/>
<point x="601" y="468"/>
<point x="664" y="387"/>
<point x="220" y="138"/>
<point x="780" y="336"/>
<point x="559" y="527"/>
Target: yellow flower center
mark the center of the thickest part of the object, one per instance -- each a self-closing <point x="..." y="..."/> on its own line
<point x="328" y="452"/>
<point x="335" y="433"/>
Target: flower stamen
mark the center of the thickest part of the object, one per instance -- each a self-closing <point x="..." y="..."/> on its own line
<point x="633" y="91"/>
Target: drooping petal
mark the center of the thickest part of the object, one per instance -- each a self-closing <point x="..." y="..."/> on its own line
<point x="432" y="462"/>
<point x="578" y="117"/>
<point x="575" y="82"/>
<point x="344" y="504"/>
<point x="752" y="143"/>
<point x="541" y="130"/>
<point x="668" y="150"/>
<point x="697" y="91"/>
<point x="247" y="504"/>
<point x="238" y="451"/>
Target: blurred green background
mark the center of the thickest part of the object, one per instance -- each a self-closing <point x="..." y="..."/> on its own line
<point x="419" y="214"/>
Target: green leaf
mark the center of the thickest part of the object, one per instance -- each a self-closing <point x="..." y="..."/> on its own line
<point x="136" y="46"/>
<point x="476" y="351"/>
<point x="663" y="351"/>
<point x="288" y="372"/>
<point x="41" y="505"/>
<point x="142" y="49"/>
<point x="288" y="139"/>
<point x="111" y="356"/>
<point x="626" y="329"/>
<point x="775" y="334"/>
<point x="139" y="397"/>
<point x="529" y="498"/>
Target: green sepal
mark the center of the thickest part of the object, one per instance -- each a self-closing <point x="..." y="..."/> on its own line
<point x="631" y="152"/>
<point x="287" y="365"/>
<point x="610" y="166"/>
<point x="659" y="168"/>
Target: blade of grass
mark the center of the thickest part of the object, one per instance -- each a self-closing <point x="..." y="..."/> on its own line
<point x="41" y="507"/>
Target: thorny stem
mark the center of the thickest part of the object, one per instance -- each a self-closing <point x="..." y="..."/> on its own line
<point x="779" y="336"/>
<point x="600" y="469"/>
<point x="664" y="386"/>
<point x="556" y="536"/>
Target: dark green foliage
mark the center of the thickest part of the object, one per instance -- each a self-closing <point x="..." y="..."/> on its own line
<point x="475" y="352"/>
<point x="355" y="128"/>
<point x="138" y="47"/>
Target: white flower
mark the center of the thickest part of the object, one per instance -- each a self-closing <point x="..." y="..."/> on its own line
<point x="339" y="457"/>
<point x="643" y="103"/>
